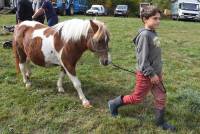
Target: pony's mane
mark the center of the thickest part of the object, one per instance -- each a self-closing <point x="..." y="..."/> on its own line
<point x="73" y="29"/>
<point x="102" y="32"/>
<point x="76" y="28"/>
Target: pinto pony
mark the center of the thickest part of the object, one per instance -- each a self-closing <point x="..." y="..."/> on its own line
<point x="61" y="45"/>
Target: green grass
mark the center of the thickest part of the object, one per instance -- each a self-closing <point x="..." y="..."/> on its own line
<point x="42" y="109"/>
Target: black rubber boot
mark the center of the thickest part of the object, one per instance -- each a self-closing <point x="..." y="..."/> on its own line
<point x="160" y="122"/>
<point x="114" y="105"/>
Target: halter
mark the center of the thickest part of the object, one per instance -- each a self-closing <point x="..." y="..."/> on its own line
<point x="93" y="44"/>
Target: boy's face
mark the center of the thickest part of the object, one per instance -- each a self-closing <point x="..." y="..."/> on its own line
<point x="153" y="22"/>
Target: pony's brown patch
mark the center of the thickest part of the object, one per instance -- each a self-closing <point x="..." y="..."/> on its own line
<point x="49" y="31"/>
<point x="38" y="26"/>
<point x="72" y="52"/>
<point x="101" y="33"/>
<point x="58" y="43"/>
<point x="19" y="35"/>
<point x="94" y="26"/>
<point x="21" y="54"/>
<point x="35" y="53"/>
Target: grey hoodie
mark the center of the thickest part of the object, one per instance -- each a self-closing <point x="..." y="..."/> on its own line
<point x="148" y="52"/>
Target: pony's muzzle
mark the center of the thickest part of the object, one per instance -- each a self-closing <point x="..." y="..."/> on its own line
<point x="106" y="61"/>
<point x="103" y="62"/>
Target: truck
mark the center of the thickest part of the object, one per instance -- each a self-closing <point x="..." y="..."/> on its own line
<point x="185" y="10"/>
<point x="96" y="10"/>
<point x="70" y="7"/>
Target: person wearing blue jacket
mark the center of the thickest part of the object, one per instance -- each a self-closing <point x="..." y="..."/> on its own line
<point x="37" y="4"/>
<point x="49" y="11"/>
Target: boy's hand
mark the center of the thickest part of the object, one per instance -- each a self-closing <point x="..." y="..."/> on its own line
<point x="155" y="79"/>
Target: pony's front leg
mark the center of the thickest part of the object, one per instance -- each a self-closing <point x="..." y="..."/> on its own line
<point x="60" y="81"/>
<point x="77" y="86"/>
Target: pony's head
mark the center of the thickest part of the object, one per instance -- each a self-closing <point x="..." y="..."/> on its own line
<point x="95" y="33"/>
<point x="98" y="42"/>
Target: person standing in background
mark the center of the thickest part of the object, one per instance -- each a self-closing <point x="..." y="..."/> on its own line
<point x="37" y="5"/>
<point x="15" y="9"/>
<point x="24" y="10"/>
<point x="50" y="13"/>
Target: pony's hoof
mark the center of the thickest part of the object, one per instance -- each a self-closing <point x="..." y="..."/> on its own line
<point x="61" y="90"/>
<point x="28" y="85"/>
<point x="87" y="104"/>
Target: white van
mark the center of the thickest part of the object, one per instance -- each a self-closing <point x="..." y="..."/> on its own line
<point x="96" y="10"/>
<point x="185" y="9"/>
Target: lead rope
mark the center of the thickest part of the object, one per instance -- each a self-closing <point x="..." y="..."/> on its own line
<point x="133" y="72"/>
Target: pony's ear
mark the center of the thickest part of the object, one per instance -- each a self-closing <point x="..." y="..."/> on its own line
<point x="94" y="26"/>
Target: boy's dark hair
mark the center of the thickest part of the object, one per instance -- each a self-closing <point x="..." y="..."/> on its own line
<point x="149" y="11"/>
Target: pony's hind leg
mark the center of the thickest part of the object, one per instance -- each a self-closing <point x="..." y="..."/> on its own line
<point x="60" y="81"/>
<point x="23" y="69"/>
<point x="28" y="69"/>
<point x="23" y="66"/>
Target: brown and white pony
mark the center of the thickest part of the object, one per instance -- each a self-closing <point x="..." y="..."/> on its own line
<point x="60" y="45"/>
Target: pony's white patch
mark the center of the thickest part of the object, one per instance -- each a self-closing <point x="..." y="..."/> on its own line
<point x="73" y="29"/>
<point x="48" y="48"/>
<point x="60" y="82"/>
<point x="23" y="71"/>
<point x="29" y="23"/>
<point x="22" y="67"/>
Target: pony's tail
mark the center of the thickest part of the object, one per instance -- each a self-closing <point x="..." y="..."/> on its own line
<point x="16" y="56"/>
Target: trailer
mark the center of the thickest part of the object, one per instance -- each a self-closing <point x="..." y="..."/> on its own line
<point x="185" y="10"/>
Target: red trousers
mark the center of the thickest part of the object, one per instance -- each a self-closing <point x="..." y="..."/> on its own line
<point x="142" y="87"/>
